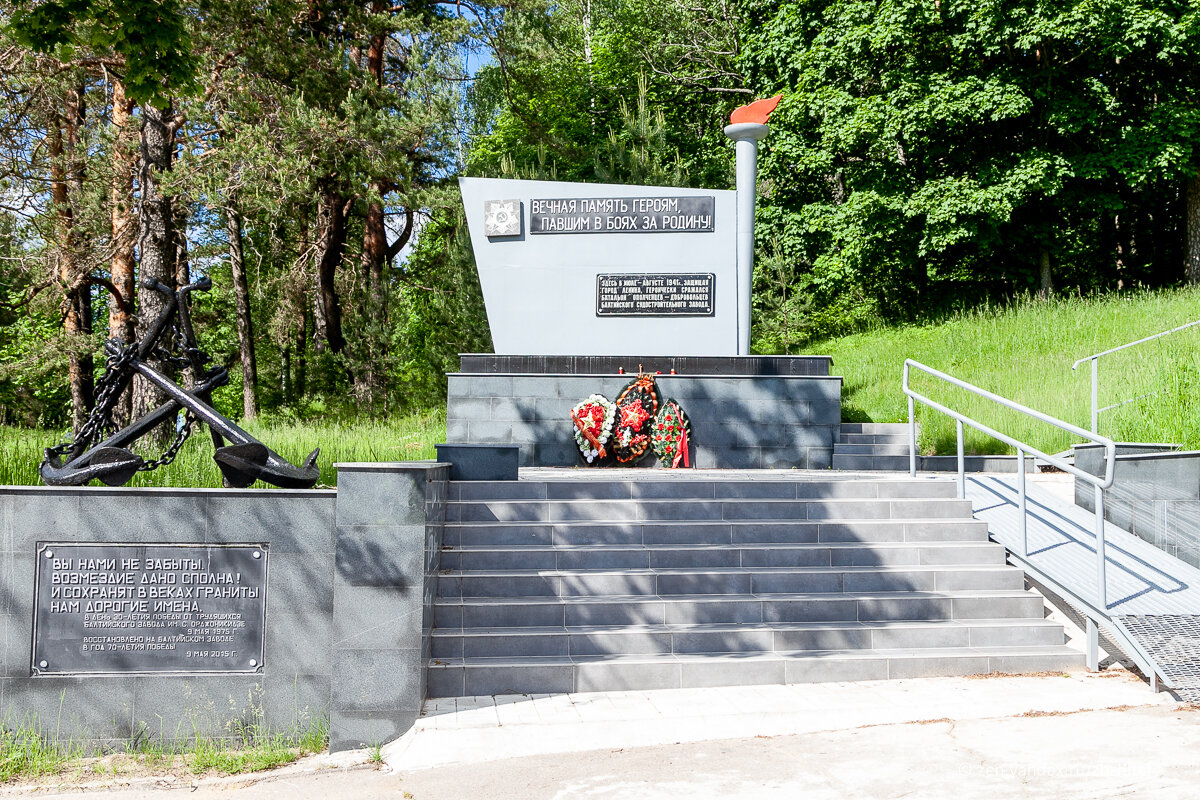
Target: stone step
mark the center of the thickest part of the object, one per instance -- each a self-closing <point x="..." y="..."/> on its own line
<point x="894" y="428"/>
<point x="510" y="612"/>
<point x="899" y="463"/>
<point x="562" y="674"/>
<point x="695" y="487"/>
<point x="873" y="438"/>
<point x="679" y="510"/>
<point x="699" y="532"/>
<point x="884" y="449"/>
<point x="603" y="557"/>
<point x="726" y="581"/>
<point x="751" y="638"/>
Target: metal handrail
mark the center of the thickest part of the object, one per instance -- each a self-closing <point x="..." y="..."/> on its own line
<point x="1095" y="358"/>
<point x="1099" y="484"/>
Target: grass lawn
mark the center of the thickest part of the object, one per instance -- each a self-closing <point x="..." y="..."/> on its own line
<point x="1024" y="352"/>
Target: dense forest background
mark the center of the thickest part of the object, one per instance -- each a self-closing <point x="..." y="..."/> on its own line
<point x="928" y="156"/>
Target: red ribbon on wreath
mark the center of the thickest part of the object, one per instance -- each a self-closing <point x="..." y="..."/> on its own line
<point x="681" y="449"/>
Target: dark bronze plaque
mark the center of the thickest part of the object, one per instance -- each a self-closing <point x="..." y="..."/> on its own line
<point x="149" y="608"/>
<point x="672" y="295"/>
<point x="623" y="215"/>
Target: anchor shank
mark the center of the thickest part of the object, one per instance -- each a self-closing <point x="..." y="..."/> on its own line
<point x="204" y="412"/>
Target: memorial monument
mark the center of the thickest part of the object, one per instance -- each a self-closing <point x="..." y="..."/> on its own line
<point x="585" y="283"/>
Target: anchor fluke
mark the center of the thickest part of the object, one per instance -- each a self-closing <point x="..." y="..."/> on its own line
<point x="243" y="464"/>
<point x="113" y="466"/>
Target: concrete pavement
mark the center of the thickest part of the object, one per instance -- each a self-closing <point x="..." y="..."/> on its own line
<point x="1049" y="736"/>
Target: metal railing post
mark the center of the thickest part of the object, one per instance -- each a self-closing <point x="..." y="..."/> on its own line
<point x="1095" y="358"/>
<point x="1093" y="645"/>
<point x="912" y="438"/>
<point x="1021" y="491"/>
<point x="1101" y="577"/>
<point x="1095" y="395"/>
<point x="962" y="464"/>
<point x="1026" y="451"/>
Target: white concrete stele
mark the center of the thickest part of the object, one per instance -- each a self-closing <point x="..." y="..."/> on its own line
<point x="541" y="284"/>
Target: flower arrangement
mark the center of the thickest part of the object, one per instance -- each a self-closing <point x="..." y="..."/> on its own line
<point x="593" y="420"/>
<point x="636" y="425"/>
<point x="637" y="405"/>
<point x="669" y="435"/>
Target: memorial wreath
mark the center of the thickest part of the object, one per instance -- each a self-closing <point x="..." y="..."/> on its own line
<point x="593" y="420"/>
<point x="670" y="435"/>
<point x="635" y="426"/>
<point x="637" y="405"/>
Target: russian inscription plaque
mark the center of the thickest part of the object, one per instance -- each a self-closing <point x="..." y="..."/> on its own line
<point x="149" y="608"/>
<point x="670" y="295"/>
<point x="623" y="215"/>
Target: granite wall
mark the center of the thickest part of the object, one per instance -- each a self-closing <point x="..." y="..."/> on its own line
<point x="346" y="634"/>
<point x="754" y="422"/>
<point x="1155" y="494"/>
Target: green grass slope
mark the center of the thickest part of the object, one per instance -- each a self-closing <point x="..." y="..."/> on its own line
<point x="1024" y="352"/>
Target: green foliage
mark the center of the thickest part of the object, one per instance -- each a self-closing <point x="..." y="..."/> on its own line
<point x="254" y="746"/>
<point x="439" y="310"/>
<point x="32" y="360"/>
<point x="596" y="85"/>
<point x="931" y="154"/>
<point x="151" y="36"/>
<point x="28" y="750"/>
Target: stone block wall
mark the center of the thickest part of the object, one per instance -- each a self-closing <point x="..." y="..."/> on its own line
<point x="346" y="635"/>
<point x="755" y="422"/>
<point x="1155" y="494"/>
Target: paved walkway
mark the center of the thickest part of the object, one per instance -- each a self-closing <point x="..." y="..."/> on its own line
<point x="471" y="730"/>
<point x="1053" y="736"/>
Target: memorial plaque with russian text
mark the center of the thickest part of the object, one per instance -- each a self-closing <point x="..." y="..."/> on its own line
<point x="623" y="215"/>
<point x="149" y="608"/>
<point x="670" y="295"/>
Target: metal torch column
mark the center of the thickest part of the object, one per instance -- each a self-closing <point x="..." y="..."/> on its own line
<point x="745" y="136"/>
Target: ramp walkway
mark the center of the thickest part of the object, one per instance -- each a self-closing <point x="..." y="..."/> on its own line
<point x="1153" y="599"/>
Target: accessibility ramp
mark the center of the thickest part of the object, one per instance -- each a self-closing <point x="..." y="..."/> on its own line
<point x="1152" y="607"/>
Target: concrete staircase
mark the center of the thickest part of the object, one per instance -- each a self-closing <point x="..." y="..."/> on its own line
<point x="872" y="446"/>
<point x="608" y="584"/>
<point x="883" y="446"/>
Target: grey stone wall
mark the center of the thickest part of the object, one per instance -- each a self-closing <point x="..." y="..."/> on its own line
<point x="756" y="422"/>
<point x="1155" y="494"/>
<point x="340" y="640"/>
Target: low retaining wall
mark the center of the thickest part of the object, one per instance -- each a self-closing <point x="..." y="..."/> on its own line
<point x="747" y="422"/>
<point x="349" y="577"/>
<point x="1155" y="494"/>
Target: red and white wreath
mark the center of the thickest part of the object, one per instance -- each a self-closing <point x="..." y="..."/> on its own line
<point x="593" y="420"/>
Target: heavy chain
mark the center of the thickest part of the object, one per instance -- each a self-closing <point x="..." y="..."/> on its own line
<point x="100" y="421"/>
<point x="180" y="352"/>
<point x="169" y="454"/>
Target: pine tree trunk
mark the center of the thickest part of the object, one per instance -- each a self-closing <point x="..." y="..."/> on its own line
<point x="66" y="182"/>
<point x="1045" y="280"/>
<point x="1192" y="266"/>
<point x="300" y="381"/>
<point x="179" y="242"/>
<point x="332" y="220"/>
<point x="124" y="233"/>
<point x="245" y="326"/>
<point x="157" y="243"/>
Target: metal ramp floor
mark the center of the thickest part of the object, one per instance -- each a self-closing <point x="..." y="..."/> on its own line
<point x="1153" y="599"/>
